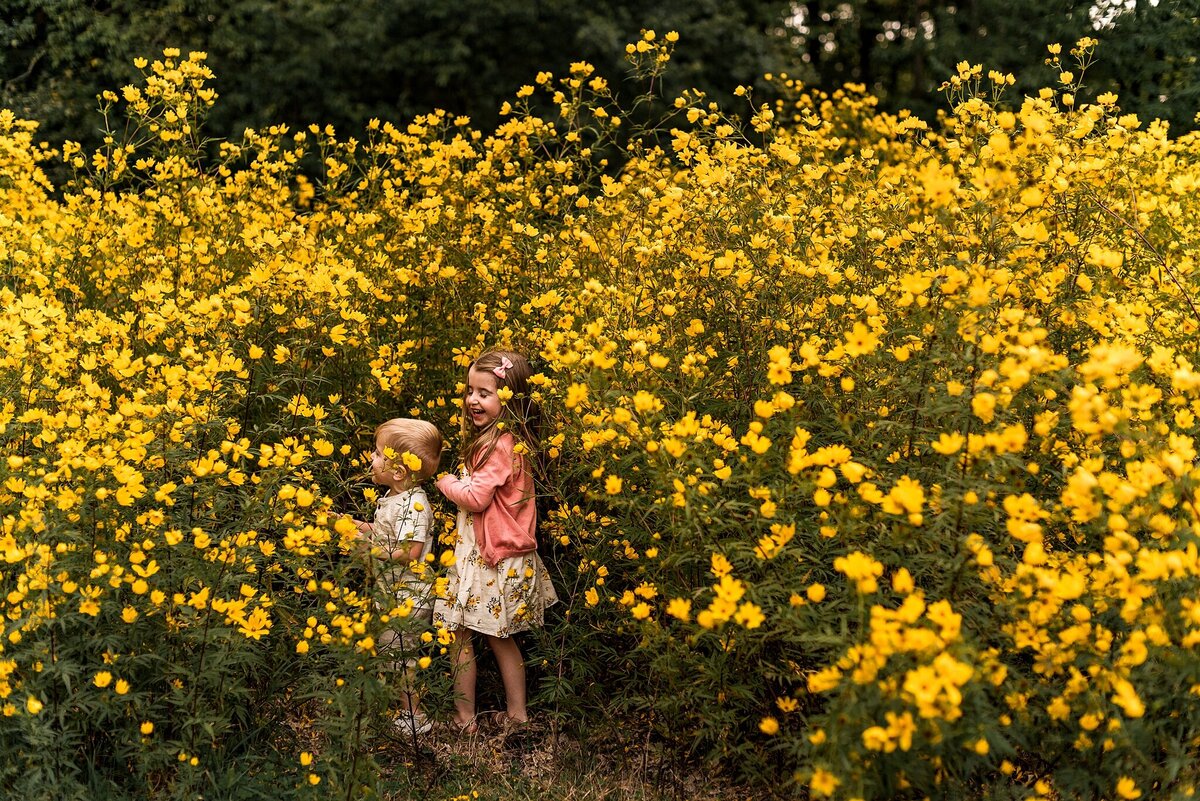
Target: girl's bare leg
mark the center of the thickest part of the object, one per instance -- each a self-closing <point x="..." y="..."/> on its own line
<point x="463" y="655"/>
<point x="512" y="671"/>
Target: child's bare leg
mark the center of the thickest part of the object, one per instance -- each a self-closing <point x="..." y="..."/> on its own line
<point x="400" y="673"/>
<point x="464" y="678"/>
<point x="411" y="646"/>
<point x="512" y="671"/>
<point x="408" y="694"/>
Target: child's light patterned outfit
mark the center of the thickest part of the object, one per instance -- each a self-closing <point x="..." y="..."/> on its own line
<point x="501" y="601"/>
<point x="498" y="584"/>
<point x="401" y="520"/>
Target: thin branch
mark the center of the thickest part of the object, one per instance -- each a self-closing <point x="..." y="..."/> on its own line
<point x="29" y="71"/>
<point x="1162" y="260"/>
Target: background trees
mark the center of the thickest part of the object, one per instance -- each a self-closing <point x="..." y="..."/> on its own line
<point x="302" y="61"/>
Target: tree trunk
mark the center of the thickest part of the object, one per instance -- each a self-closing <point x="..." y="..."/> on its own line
<point x="812" y="42"/>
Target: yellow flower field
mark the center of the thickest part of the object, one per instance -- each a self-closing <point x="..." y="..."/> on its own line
<point x="869" y="444"/>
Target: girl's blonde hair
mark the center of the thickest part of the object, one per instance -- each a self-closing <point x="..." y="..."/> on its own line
<point x="519" y="415"/>
<point x="418" y="437"/>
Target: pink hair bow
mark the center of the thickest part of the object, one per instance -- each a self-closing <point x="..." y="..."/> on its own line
<point x="505" y="364"/>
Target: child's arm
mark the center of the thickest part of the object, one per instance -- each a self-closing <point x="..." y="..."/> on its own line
<point x="474" y="493"/>
<point x="407" y="552"/>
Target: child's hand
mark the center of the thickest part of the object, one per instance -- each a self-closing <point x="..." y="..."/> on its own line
<point x="363" y="547"/>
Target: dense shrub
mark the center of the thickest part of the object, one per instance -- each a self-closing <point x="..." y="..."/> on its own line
<point x="870" y="461"/>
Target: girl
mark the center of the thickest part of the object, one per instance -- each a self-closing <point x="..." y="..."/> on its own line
<point x="497" y="586"/>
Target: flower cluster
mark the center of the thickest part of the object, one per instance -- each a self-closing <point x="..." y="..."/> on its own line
<point x="868" y="462"/>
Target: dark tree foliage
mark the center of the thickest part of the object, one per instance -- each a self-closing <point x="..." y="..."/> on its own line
<point x="326" y="61"/>
<point x="1151" y="58"/>
<point x="902" y="50"/>
<point x="332" y="62"/>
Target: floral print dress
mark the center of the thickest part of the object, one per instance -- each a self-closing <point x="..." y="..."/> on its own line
<point x="510" y="598"/>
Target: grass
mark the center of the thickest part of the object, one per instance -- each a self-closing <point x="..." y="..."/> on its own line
<point x="446" y="766"/>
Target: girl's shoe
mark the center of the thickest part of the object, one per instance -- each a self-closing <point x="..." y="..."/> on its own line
<point x="468" y="729"/>
<point x="518" y="734"/>
<point x="492" y="722"/>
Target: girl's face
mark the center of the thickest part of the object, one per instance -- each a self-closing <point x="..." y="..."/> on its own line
<point x="481" y="404"/>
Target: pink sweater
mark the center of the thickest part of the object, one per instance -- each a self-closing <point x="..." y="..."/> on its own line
<point x="500" y="494"/>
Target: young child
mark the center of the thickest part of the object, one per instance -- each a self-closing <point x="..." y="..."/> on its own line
<point x="497" y="586"/>
<point x="407" y="452"/>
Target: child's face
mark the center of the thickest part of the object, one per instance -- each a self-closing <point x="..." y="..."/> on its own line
<point x="481" y="404"/>
<point x="383" y="471"/>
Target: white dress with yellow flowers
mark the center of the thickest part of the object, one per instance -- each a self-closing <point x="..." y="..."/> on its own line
<point x="510" y="598"/>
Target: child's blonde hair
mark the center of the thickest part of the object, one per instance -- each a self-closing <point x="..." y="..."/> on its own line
<point x="418" y="437"/>
<point x="520" y="415"/>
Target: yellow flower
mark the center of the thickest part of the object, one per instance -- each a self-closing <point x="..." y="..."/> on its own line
<point x="861" y="569"/>
<point x="824" y="680"/>
<point x="1127" y="789"/>
<point x="983" y="406"/>
<point x="257" y="624"/>
<point x="749" y="616"/>
<point x="680" y="609"/>
<point x="876" y="738"/>
<point x="720" y="565"/>
<point x="906" y="497"/>
<point x="102" y="679"/>
<point x="1126" y="697"/>
<point x="947" y="444"/>
<point x="778" y="374"/>
<point x="769" y="726"/>
<point x="860" y="340"/>
<point x="823" y="783"/>
<point x="576" y="394"/>
<point x="853" y="471"/>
